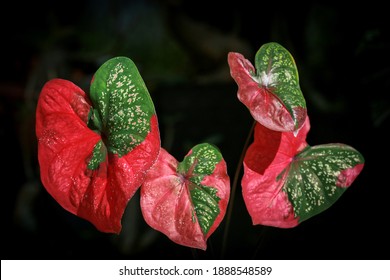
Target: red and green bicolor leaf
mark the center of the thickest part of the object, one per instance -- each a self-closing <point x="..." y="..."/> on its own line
<point x="94" y="150"/>
<point x="271" y="92"/>
<point x="187" y="201"/>
<point x="286" y="181"/>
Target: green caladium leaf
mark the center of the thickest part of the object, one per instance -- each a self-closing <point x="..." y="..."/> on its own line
<point x="286" y="181"/>
<point x="187" y="201"/>
<point x="271" y="92"/>
<point x="94" y="151"/>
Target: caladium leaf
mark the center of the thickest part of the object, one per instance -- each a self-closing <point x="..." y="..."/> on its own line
<point x="286" y="181"/>
<point x="94" y="152"/>
<point x="271" y="92"/>
<point x="187" y="201"/>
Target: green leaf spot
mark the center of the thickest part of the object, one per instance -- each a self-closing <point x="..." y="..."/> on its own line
<point x="94" y="122"/>
<point x="312" y="181"/>
<point x="206" y="206"/>
<point x="201" y="162"/>
<point x="124" y="106"/>
<point x="277" y="72"/>
<point x="99" y="154"/>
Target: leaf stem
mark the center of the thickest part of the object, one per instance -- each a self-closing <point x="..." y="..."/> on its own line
<point x="260" y="241"/>
<point x="194" y="254"/>
<point x="233" y="190"/>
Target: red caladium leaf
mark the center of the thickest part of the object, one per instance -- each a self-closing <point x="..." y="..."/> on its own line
<point x="271" y="92"/>
<point x="286" y="181"/>
<point x="94" y="152"/>
<point x="187" y="201"/>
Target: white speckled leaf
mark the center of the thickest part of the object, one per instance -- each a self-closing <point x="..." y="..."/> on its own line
<point x="270" y="91"/>
<point x="94" y="157"/>
<point x="122" y="105"/>
<point x="286" y="181"/>
<point x="187" y="201"/>
<point x="319" y="175"/>
<point x="195" y="166"/>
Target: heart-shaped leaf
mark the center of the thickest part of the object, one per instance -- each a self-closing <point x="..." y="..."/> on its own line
<point x="93" y="156"/>
<point x="271" y="92"/>
<point x="187" y="201"/>
<point x="286" y="181"/>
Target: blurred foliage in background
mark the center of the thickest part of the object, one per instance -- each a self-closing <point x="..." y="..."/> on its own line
<point x="180" y="48"/>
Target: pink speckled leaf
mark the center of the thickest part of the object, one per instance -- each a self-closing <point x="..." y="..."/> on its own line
<point x="271" y="92"/>
<point x="187" y="201"/>
<point x="94" y="152"/>
<point x="286" y="181"/>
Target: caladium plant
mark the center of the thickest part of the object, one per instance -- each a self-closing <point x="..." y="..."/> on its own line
<point x="270" y="91"/>
<point x="94" y="151"/>
<point x="187" y="200"/>
<point x="286" y="181"/>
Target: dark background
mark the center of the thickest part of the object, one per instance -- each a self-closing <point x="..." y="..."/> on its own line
<point x="180" y="48"/>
